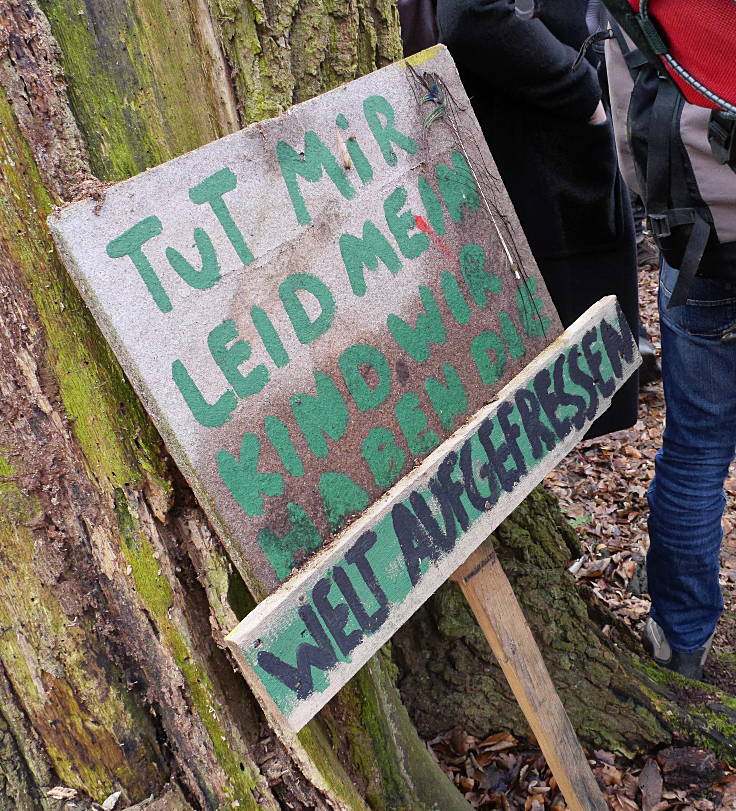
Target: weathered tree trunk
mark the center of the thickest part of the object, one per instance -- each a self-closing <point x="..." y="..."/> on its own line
<point x="114" y="595"/>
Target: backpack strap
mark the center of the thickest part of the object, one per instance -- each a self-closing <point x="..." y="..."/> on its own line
<point x="667" y="179"/>
<point x="649" y="30"/>
<point x="634" y="57"/>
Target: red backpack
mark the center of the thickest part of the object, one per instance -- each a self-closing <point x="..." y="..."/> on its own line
<point x="683" y="72"/>
<point x="695" y="41"/>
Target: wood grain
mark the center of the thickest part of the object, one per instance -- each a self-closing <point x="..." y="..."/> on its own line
<point x="489" y="594"/>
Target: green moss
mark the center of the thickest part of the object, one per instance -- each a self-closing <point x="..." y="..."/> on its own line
<point x="668" y="678"/>
<point x="130" y="82"/>
<point x="694" y="714"/>
<point x="261" y="69"/>
<point x="15" y="507"/>
<point x="374" y="738"/>
<point x="107" y="418"/>
<point x="730" y="702"/>
<point x="158" y="597"/>
<point x="714" y="731"/>
<point x="239" y="598"/>
<point x="73" y="696"/>
<point x="152" y="586"/>
<point x="240" y="772"/>
<point x="370" y="746"/>
<point x="327" y="46"/>
<point x="336" y="779"/>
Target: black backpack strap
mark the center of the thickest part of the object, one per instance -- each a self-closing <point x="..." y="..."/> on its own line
<point x="666" y="179"/>
<point x="633" y="57"/>
<point x="639" y="28"/>
<point x="662" y="124"/>
<point x="690" y="263"/>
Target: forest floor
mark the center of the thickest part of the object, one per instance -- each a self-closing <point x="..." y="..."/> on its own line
<point x="602" y="487"/>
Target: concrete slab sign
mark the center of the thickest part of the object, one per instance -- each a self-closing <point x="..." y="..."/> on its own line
<point x="310" y="306"/>
<point x="302" y="643"/>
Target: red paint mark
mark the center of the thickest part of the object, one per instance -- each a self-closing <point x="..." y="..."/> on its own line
<point x="434" y="237"/>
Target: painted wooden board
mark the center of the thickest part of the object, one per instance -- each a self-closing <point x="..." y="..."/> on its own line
<point x="308" y="307"/>
<point x="301" y="644"/>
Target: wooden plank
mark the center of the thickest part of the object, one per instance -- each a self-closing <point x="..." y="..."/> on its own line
<point x="301" y="644"/>
<point x="489" y="594"/>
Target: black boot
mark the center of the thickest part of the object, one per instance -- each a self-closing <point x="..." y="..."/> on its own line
<point x="650" y="370"/>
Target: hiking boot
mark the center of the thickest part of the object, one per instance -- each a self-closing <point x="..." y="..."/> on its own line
<point x="647" y="254"/>
<point x="650" y="370"/>
<point x="686" y="664"/>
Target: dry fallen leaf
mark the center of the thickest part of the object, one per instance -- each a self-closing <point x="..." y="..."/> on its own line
<point x="608" y="775"/>
<point x="62" y="793"/>
<point x="619" y="802"/>
<point x="498" y="742"/>
<point x="111" y="801"/>
<point x="465" y="783"/>
<point x="650" y="785"/>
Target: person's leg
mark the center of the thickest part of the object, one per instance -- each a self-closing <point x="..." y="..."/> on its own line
<point x="686" y="497"/>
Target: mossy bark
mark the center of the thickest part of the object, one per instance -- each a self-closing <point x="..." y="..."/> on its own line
<point x="115" y="594"/>
<point x="449" y="678"/>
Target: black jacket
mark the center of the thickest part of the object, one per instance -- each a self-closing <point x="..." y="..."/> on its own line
<point x="560" y="171"/>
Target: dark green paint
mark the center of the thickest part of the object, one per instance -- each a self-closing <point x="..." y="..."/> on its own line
<point x="341" y="498"/>
<point x="400" y="223"/>
<point x="280" y="438"/>
<point x="380" y="116"/>
<point x="360" y="253"/>
<point x="413" y="422"/>
<point x="352" y="361"/>
<point x="130" y="243"/>
<point x="241" y="476"/>
<point x="281" y="551"/>
<point x="383" y="456"/>
<point x="310" y="165"/>
<point x="306" y="329"/>
<point x="211" y="415"/>
<point x="320" y="414"/>
<point x="448" y="399"/>
<point x="429" y="329"/>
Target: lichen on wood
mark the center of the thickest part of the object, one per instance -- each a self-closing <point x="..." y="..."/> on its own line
<point x="127" y="574"/>
<point x="284" y="53"/>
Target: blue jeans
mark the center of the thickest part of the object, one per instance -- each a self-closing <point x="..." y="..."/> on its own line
<point x="686" y="497"/>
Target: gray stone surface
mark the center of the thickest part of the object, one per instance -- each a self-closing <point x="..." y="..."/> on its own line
<point x="283" y="471"/>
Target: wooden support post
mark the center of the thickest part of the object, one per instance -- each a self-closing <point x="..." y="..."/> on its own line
<point x="489" y="594"/>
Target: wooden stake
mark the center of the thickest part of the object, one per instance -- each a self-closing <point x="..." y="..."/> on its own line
<point x="489" y="594"/>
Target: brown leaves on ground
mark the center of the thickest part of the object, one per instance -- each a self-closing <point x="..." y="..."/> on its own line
<point x="602" y="488"/>
<point x="498" y="772"/>
<point x="505" y="772"/>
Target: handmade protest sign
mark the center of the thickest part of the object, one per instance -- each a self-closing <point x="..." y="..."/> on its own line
<point x="310" y="306"/>
<point x="308" y="309"/>
<point x="301" y="644"/>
